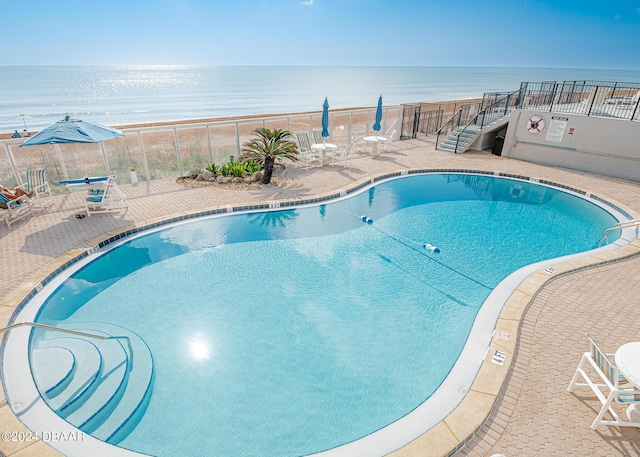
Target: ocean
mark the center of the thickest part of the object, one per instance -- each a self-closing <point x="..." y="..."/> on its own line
<point x="125" y="95"/>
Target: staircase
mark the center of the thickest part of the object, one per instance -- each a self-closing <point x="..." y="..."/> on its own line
<point x="102" y="387"/>
<point x="460" y="139"/>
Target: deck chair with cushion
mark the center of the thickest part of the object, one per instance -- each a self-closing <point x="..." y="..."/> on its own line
<point x="36" y="181"/>
<point x="608" y="384"/>
<point x="307" y="156"/>
<point x="14" y="210"/>
<point x="107" y="200"/>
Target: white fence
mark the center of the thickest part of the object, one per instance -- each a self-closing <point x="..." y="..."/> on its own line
<point x="175" y="150"/>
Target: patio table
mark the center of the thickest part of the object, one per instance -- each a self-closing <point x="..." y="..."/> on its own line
<point x="374" y="140"/>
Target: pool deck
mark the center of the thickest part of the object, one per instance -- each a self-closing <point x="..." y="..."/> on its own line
<point x="529" y="414"/>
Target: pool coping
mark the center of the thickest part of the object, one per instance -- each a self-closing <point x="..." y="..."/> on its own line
<point x="463" y="423"/>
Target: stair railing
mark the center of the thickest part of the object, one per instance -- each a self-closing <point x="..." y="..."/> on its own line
<point x="472" y="121"/>
<point x="72" y="332"/>
<point x="618" y="226"/>
<point x="449" y="123"/>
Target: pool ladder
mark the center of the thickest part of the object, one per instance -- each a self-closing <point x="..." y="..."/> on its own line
<point x="618" y="226"/>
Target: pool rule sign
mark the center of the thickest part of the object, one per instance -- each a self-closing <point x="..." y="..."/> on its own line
<point x="556" y="129"/>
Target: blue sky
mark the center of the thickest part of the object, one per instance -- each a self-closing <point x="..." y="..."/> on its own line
<point x="571" y="34"/>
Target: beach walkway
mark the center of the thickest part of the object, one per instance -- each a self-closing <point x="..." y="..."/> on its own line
<point x="534" y="415"/>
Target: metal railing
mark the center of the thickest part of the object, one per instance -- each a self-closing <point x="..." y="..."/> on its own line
<point x="618" y="226"/>
<point x="618" y="100"/>
<point x="73" y="332"/>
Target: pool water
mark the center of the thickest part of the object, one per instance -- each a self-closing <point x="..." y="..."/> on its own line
<point x="291" y="332"/>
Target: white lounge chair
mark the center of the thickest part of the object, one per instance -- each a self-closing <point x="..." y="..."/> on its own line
<point x="36" y="181"/>
<point x="307" y="156"/>
<point x="626" y="100"/>
<point x="609" y="386"/>
<point x="14" y="210"/>
<point x="107" y="200"/>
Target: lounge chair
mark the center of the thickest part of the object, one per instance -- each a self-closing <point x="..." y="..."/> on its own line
<point x="36" y="181"/>
<point x="611" y="385"/>
<point x="625" y="100"/>
<point x="14" y="210"/>
<point x="107" y="200"/>
<point x="307" y="155"/>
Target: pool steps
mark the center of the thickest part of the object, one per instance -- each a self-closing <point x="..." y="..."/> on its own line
<point x="60" y="366"/>
<point x="88" y="367"/>
<point x="107" y="391"/>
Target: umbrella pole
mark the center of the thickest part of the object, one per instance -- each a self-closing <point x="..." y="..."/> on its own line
<point x="104" y="157"/>
<point x="62" y="165"/>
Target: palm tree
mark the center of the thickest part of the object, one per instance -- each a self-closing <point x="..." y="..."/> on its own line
<point x="269" y="146"/>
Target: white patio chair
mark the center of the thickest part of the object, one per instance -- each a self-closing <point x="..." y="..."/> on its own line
<point x="358" y="145"/>
<point x="611" y="385"/>
<point x="307" y="156"/>
<point x="107" y="200"/>
<point x="387" y="144"/>
<point x="36" y="181"/>
<point x="342" y="155"/>
<point x="12" y="210"/>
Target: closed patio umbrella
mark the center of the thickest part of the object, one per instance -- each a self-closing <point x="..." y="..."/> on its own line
<point x="70" y="130"/>
<point x="376" y="125"/>
<point x="325" y="119"/>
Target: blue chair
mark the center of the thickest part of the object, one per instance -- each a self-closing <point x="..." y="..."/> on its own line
<point x="12" y="210"/>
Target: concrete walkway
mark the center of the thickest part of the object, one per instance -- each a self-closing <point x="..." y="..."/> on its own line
<point x="534" y="416"/>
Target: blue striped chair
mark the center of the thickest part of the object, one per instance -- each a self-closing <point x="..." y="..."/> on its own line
<point x="36" y="181"/>
<point x="609" y="386"/>
<point x="14" y="210"/>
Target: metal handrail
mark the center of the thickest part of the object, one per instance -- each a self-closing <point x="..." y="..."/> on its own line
<point x="72" y="332"/>
<point x="450" y="121"/>
<point x="618" y="226"/>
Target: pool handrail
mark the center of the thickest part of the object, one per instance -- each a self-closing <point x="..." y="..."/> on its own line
<point x="618" y="226"/>
<point x="73" y="332"/>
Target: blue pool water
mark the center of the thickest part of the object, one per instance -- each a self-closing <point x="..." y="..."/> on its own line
<point x="290" y="332"/>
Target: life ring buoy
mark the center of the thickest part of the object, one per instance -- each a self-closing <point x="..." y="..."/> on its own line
<point x="535" y="124"/>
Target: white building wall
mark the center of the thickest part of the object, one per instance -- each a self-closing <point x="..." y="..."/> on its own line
<point x="609" y="147"/>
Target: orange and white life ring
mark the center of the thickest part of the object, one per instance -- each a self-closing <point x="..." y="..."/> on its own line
<point x="535" y="124"/>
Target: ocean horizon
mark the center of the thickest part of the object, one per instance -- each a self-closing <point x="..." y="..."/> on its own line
<point x="133" y="94"/>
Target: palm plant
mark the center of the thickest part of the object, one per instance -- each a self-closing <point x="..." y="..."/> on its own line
<point x="269" y="146"/>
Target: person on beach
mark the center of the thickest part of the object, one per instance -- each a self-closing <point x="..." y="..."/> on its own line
<point x="14" y="193"/>
<point x="16" y="135"/>
<point x="25" y="134"/>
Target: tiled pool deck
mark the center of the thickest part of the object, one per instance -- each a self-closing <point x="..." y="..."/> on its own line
<point x="530" y="414"/>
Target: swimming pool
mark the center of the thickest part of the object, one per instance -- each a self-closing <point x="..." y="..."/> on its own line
<point x="355" y="308"/>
